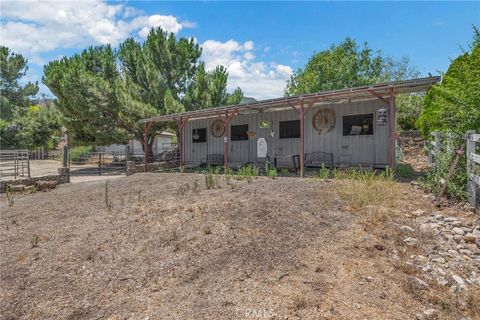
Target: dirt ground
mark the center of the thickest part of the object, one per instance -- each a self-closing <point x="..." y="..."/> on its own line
<point x="163" y="246"/>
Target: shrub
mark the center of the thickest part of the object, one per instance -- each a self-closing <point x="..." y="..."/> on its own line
<point x="77" y="153"/>
<point x="247" y="172"/>
<point x="323" y="173"/>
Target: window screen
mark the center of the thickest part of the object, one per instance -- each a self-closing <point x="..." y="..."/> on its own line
<point x="358" y="125"/>
<point x="199" y="135"/>
<point x="290" y="129"/>
<point x="239" y="132"/>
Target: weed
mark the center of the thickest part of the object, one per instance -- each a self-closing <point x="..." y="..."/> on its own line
<point x="196" y="186"/>
<point x="209" y="180"/>
<point x="183" y="189"/>
<point x="32" y="189"/>
<point x="323" y="173"/>
<point x="272" y="173"/>
<point x="34" y="241"/>
<point x="10" y="192"/>
<point x="404" y="170"/>
<point x="284" y="172"/>
<point x="108" y="203"/>
<point x="247" y="173"/>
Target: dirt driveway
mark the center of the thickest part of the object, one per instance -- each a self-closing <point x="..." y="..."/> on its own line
<point x="166" y="247"/>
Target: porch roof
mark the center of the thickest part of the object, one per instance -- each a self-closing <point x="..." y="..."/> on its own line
<point x="363" y="93"/>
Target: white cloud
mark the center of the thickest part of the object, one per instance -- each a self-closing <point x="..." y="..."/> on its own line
<point x="256" y="78"/>
<point x="32" y="27"/>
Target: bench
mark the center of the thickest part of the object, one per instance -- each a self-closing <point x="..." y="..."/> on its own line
<point x="214" y="159"/>
<point x="318" y="158"/>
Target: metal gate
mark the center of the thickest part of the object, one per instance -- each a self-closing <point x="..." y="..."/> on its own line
<point x="98" y="163"/>
<point x="14" y="163"/>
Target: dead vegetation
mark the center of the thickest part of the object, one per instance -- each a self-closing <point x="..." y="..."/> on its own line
<point x="166" y="246"/>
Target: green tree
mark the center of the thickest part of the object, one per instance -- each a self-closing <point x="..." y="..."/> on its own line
<point x="13" y="96"/>
<point x="454" y="104"/>
<point x="347" y="65"/>
<point x="85" y="87"/>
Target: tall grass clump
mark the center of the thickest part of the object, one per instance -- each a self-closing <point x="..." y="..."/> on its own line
<point x="247" y="173"/>
<point x="368" y="192"/>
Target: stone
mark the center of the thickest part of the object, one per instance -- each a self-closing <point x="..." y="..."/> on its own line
<point x="473" y="248"/>
<point x="470" y="238"/>
<point x="458" y="231"/>
<point x="439" y="260"/>
<point x="410" y="241"/>
<point x="45" y="185"/>
<point x="417" y="283"/>
<point x="465" y="251"/>
<point x="407" y="229"/>
<point x="457" y="238"/>
<point x="19" y="187"/>
<point x="456" y="223"/>
<point x="450" y="219"/>
<point x="458" y="280"/>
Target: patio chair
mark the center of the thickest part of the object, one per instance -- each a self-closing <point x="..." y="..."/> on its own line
<point x="318" y="158"/>
<point x="213" y="159"/>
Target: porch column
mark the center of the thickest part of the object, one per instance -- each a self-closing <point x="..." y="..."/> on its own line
<point x="181" y="124"/>
<point x="225" y="142"/>
<point x="302" y="138"/>
<point x="393" y="129"/>
<point x="145" y="145"/>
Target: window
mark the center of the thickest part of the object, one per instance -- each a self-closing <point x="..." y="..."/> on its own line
<point x="239" y="132"/>
<point x="359" y="124"/>
<point x="199" y="135"/>
<point x="290" y="129"/>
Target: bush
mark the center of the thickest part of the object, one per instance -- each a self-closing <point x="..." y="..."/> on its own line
<point x="77" y="153"/>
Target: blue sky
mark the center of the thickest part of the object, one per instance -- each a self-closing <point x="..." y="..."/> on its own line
<point x="259" y="42"/>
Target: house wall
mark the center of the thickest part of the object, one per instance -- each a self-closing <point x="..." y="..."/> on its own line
<point x="371" y="149"/>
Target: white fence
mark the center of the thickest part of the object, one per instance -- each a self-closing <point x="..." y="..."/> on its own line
<point x="473" y="168"/>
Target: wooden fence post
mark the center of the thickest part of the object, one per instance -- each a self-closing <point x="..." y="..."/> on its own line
<point x="471" y="185"/>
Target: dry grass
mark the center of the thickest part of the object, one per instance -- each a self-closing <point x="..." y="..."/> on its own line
<point x="376" y="197"/>
<point x="170" y="248"/>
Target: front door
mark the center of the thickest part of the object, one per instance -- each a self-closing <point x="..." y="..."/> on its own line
<point x="239" y="144"/>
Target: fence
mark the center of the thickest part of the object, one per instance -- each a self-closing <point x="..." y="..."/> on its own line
<point x="472" y="140"/>
<point x="473" y="168"/>
<point x="98" y="163"/>
<point x="14" y="163"/>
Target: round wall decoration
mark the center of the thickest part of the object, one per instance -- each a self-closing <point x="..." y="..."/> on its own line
<point x="217" y="128"/>
<point x="324" y="120"/>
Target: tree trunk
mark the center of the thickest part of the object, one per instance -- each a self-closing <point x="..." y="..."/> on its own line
<point x="148" y="148"/>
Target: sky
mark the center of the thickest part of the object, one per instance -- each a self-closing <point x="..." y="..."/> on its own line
<point x="260" y="43"/>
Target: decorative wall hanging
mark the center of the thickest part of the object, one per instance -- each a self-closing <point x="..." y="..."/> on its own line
<point x="217" y="128"/>
<point x="265" y="124"/>
<point x="324" y="120"/>
<point x="251" y="133"/>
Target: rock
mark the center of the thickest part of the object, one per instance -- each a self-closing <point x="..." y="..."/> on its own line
<point x="458" y="231"/>
<point x="417" y="283"/>
<point x="457" y="238"/>
<point x="428" y="227"/>
<point x="458" y="280"/>
<point x="407" y="229"/>
<point x="421" y="259"/>
<point x="473" y="248"/>
<point x="44" y="185"/>
<point x="465" y="251"/>
<point x="439" y="260"/>
<point x="450" y="219"/>
<point x="410" y="241"/>
<point x="419" y="212"/>
<point x="429" y="314"/>
<point x="19" y="187"/>
<point x="470" y="238"/>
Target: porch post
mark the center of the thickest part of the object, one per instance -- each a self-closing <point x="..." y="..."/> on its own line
<point x="393" y="132"/>
<point x="145" y="125"/>
<point x="225" y="142"/>
<point x="180" y="144"/>
<point x="302" y="137"/>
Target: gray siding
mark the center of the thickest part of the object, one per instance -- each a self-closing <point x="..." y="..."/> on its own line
<point x="371" y="149"/>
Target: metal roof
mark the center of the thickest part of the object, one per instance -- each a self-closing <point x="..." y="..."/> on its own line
<point x="330" y="96"/>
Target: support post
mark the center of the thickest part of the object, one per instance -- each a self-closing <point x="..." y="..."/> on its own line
<point x="127" y="156"/>
<point x="471" y="186"/>
<point x="145" y="147"/>
<point x="65" y="156"/>
<point x="28" y="164"/>
<point x="180" y="143"/>
<point x="302" y="138"/>
<point x="393" y="132"/>
<point x="225" y="142"/>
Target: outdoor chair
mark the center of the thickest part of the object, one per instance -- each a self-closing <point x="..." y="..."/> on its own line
<point x="291" y="161"/>
<point x="318" y="158"/>
<point x="214" y="159"/>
